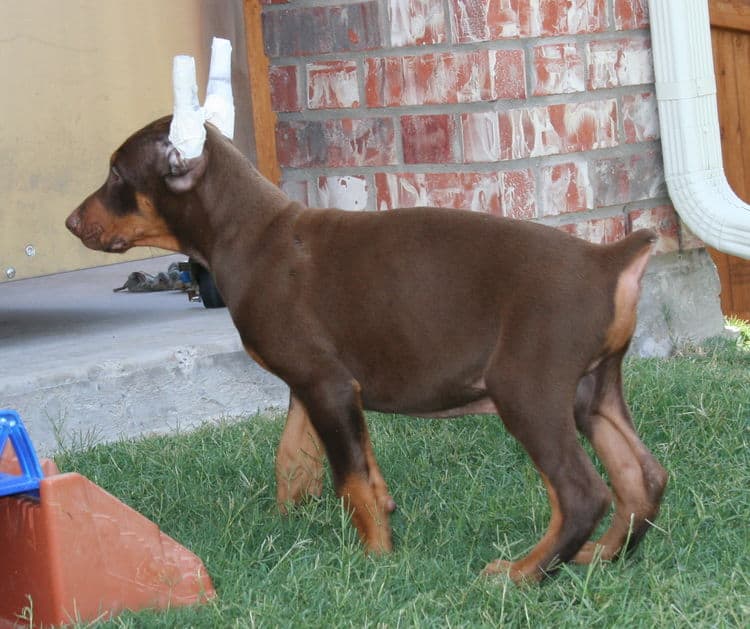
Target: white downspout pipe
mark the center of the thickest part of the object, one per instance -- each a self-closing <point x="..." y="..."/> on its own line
<point x="689" y="123"/>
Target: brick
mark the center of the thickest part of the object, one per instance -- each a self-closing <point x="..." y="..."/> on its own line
<point x="518" y="194"/>
<point x="568" y="17"/>
<point x="640" y="117"/>
<point x="565" y="188"/>
<point x="332" y="84"/>
<point x="429" y="139"/>
<point x="336" y="143"/>
<point x="527" y="132"/>
<point x="481" y="136"/>
<point x="556" y="129"/>
<point x="663" y="220"/>
<point x="445" y="78"/>
<point x="621" y="180"/>
<point x="558" y="69"/>
<point x="585" y="126"/>
<point x="299" y="31"/>
<point x="598" y="230"/>
<point x="484" y="20"/>
<point x="343" y="191"/>
<point x="470" y="191"/>
<point x="508" y="73"/>
<point x="296" y="190"/>
<point x="631" y="14"/>
<point x="284" y="93"/>
<point x="619" y="62"/>
<point x="417" y="22"/>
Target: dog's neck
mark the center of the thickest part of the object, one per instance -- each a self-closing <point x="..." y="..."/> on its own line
<point x="232" y="197"/>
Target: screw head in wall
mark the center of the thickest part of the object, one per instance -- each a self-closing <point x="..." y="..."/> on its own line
<point x="30" y="250"/>
<point x="10" y="272"/>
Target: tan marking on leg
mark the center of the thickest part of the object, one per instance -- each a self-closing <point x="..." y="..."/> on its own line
<point x="299" y="459"/>
<point x="370" y="520"/>
<point x="377" y="482"/>
<point x="530" y="567"/>
<point x="636" y="477"/>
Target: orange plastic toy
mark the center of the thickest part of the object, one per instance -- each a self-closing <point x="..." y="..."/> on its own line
<point x="78" y="554"/>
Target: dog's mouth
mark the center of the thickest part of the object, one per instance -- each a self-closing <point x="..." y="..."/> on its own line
<point x="93" y="239"/>
<point x="117" y="245"/>
<point x="91" y="236"/>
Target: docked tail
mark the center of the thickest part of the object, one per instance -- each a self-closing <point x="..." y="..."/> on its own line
<point x="634" y="244"/>
<point x="630" y="257"/>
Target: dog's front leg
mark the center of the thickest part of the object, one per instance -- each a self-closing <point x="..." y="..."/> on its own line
<point x="377" y="482"/>
<point x="335" y="410"/>
<point x="299" y="458"/>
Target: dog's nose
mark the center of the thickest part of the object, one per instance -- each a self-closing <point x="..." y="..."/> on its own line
<point x="73" y="222"/>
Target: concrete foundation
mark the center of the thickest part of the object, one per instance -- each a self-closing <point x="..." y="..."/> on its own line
<point x="83" y="364"/>
<point x="679" y="304"/>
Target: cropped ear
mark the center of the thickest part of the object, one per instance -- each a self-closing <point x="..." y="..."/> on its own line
<point x="184" y="174"/>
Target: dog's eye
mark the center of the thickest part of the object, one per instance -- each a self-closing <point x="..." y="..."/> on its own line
<point x="115" y="174"/>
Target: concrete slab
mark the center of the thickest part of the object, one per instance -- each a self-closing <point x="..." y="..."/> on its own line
<point x="83" y="364"/>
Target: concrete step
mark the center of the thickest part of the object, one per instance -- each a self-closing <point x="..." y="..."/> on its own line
<point x="83" y="364"/>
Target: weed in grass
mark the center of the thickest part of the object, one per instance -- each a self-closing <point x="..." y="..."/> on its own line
<point x="466" y="494"/>
<point x="742" y="329"/>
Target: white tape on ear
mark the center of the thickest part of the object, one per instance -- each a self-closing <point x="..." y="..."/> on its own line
<point x="187" y="132"/>
<point x="219" y="103"/>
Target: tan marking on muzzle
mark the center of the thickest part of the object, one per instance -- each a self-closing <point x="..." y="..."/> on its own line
<point x="96" y="225"/>
<point x="99" y="228"/>
<point x="149" y="229"/>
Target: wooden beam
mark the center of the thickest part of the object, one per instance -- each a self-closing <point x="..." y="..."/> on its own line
<point x="730" y="14"/>
<point x="264" y="118"/>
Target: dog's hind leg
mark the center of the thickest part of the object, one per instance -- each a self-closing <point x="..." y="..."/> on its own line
<point x="536" y="405"/>
<point x="299" y="458"/>
<point x="638" y="480"/>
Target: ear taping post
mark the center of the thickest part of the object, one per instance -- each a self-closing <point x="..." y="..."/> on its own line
<point x="219" y="103"/>
<point x="187" y="132"/>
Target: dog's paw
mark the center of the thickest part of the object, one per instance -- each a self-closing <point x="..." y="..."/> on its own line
<point x="500" y="567"/>
<point x="387" y="504"/>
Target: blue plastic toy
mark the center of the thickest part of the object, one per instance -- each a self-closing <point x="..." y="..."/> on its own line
<point x="11" y="427"/>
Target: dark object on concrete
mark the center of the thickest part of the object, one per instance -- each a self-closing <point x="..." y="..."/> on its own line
<point x="207" y="290"/>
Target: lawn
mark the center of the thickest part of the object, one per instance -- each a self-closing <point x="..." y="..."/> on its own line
<point x="466" y="494"/>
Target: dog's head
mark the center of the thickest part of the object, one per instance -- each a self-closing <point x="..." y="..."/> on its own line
<point x="158" y="164"/>
<point x="127" y="210"/>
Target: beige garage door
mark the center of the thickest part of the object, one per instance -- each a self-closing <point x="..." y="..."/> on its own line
<point x="77" y="78"/>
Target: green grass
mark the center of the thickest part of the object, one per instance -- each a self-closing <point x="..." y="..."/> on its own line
<point x="743" y="331"/>
<point x="467" y="494"/>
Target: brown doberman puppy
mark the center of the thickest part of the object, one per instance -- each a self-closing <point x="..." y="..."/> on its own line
<point x="421" y="311"/>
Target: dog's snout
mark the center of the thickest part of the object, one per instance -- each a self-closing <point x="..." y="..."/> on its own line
<point x="73" y="222"/>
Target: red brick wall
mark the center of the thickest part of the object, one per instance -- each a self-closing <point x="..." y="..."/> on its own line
<point x="534" y="109"/>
